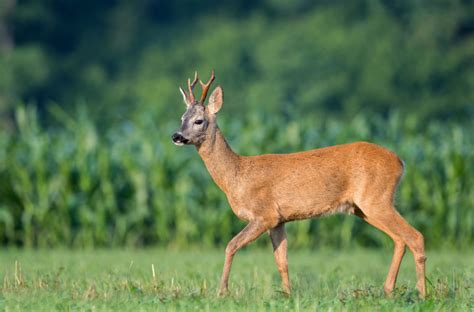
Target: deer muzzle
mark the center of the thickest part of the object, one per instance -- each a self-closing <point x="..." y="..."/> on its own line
<point x="179" y="139"/>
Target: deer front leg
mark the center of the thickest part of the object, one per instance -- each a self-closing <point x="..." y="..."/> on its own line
<point x="250" y="233"/>
<point x="280" y="245"/>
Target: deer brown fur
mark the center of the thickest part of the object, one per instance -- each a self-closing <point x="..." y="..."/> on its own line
<point x="269" y="190"/>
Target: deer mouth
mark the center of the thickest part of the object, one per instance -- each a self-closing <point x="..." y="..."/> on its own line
<point x="181" y="142"/>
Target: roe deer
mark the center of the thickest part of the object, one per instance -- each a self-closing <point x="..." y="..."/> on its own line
<point x="269" y="190"/>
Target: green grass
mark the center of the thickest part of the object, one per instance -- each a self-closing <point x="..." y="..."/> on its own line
<point x="187" y="280"/>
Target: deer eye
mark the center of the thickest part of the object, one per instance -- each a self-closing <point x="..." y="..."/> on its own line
<point x="198" y="122"/>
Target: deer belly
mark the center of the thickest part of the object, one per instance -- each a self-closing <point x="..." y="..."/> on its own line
<point x="315" y="205"/>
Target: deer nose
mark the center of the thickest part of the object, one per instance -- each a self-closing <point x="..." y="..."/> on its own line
<point x="179" y="138"/>
<point x="176" y="137"/>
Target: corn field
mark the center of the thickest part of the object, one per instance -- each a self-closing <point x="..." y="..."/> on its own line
<point x="75" y="185"/>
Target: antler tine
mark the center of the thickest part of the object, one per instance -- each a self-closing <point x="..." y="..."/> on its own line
<point x="191" y="87"/>
<point x="205" y="87"/>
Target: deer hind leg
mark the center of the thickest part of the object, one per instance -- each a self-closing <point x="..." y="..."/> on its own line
<point x="398" y="252"/>
<point x="392" y="223"/>
<point x="416" y="243"/>
<point x="280" y="245"/>
<point x="250" y="233"/>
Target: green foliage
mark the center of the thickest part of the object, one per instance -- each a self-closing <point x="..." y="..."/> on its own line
<point x="123" y="280"/>
<point x="128" y="185"/>
<point x="303" y="56"/>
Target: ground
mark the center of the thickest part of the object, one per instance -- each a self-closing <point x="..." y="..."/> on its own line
<point x="347" y="280"/>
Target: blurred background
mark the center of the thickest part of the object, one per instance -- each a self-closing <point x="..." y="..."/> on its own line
<point x="89" y="98"/>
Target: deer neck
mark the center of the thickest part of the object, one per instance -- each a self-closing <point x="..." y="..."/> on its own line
<point x="220" y="160"/>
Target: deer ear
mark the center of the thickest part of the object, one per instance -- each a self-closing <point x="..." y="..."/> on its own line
<point x="215" y="100"/>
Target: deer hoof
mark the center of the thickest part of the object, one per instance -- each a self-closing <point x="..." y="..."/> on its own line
<point x="224" y="291"/>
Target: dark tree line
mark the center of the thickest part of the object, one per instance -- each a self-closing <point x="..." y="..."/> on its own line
<point x="122" y="57"/>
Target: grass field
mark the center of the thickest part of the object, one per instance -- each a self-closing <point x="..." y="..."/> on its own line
<point x="187" y="280"/>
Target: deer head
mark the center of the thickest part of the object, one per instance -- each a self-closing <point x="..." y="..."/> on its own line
<point x="199" y="120"/>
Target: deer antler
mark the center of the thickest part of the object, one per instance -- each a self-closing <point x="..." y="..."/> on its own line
<point x="205" y="87"/>
<point x="191" y="98"/>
